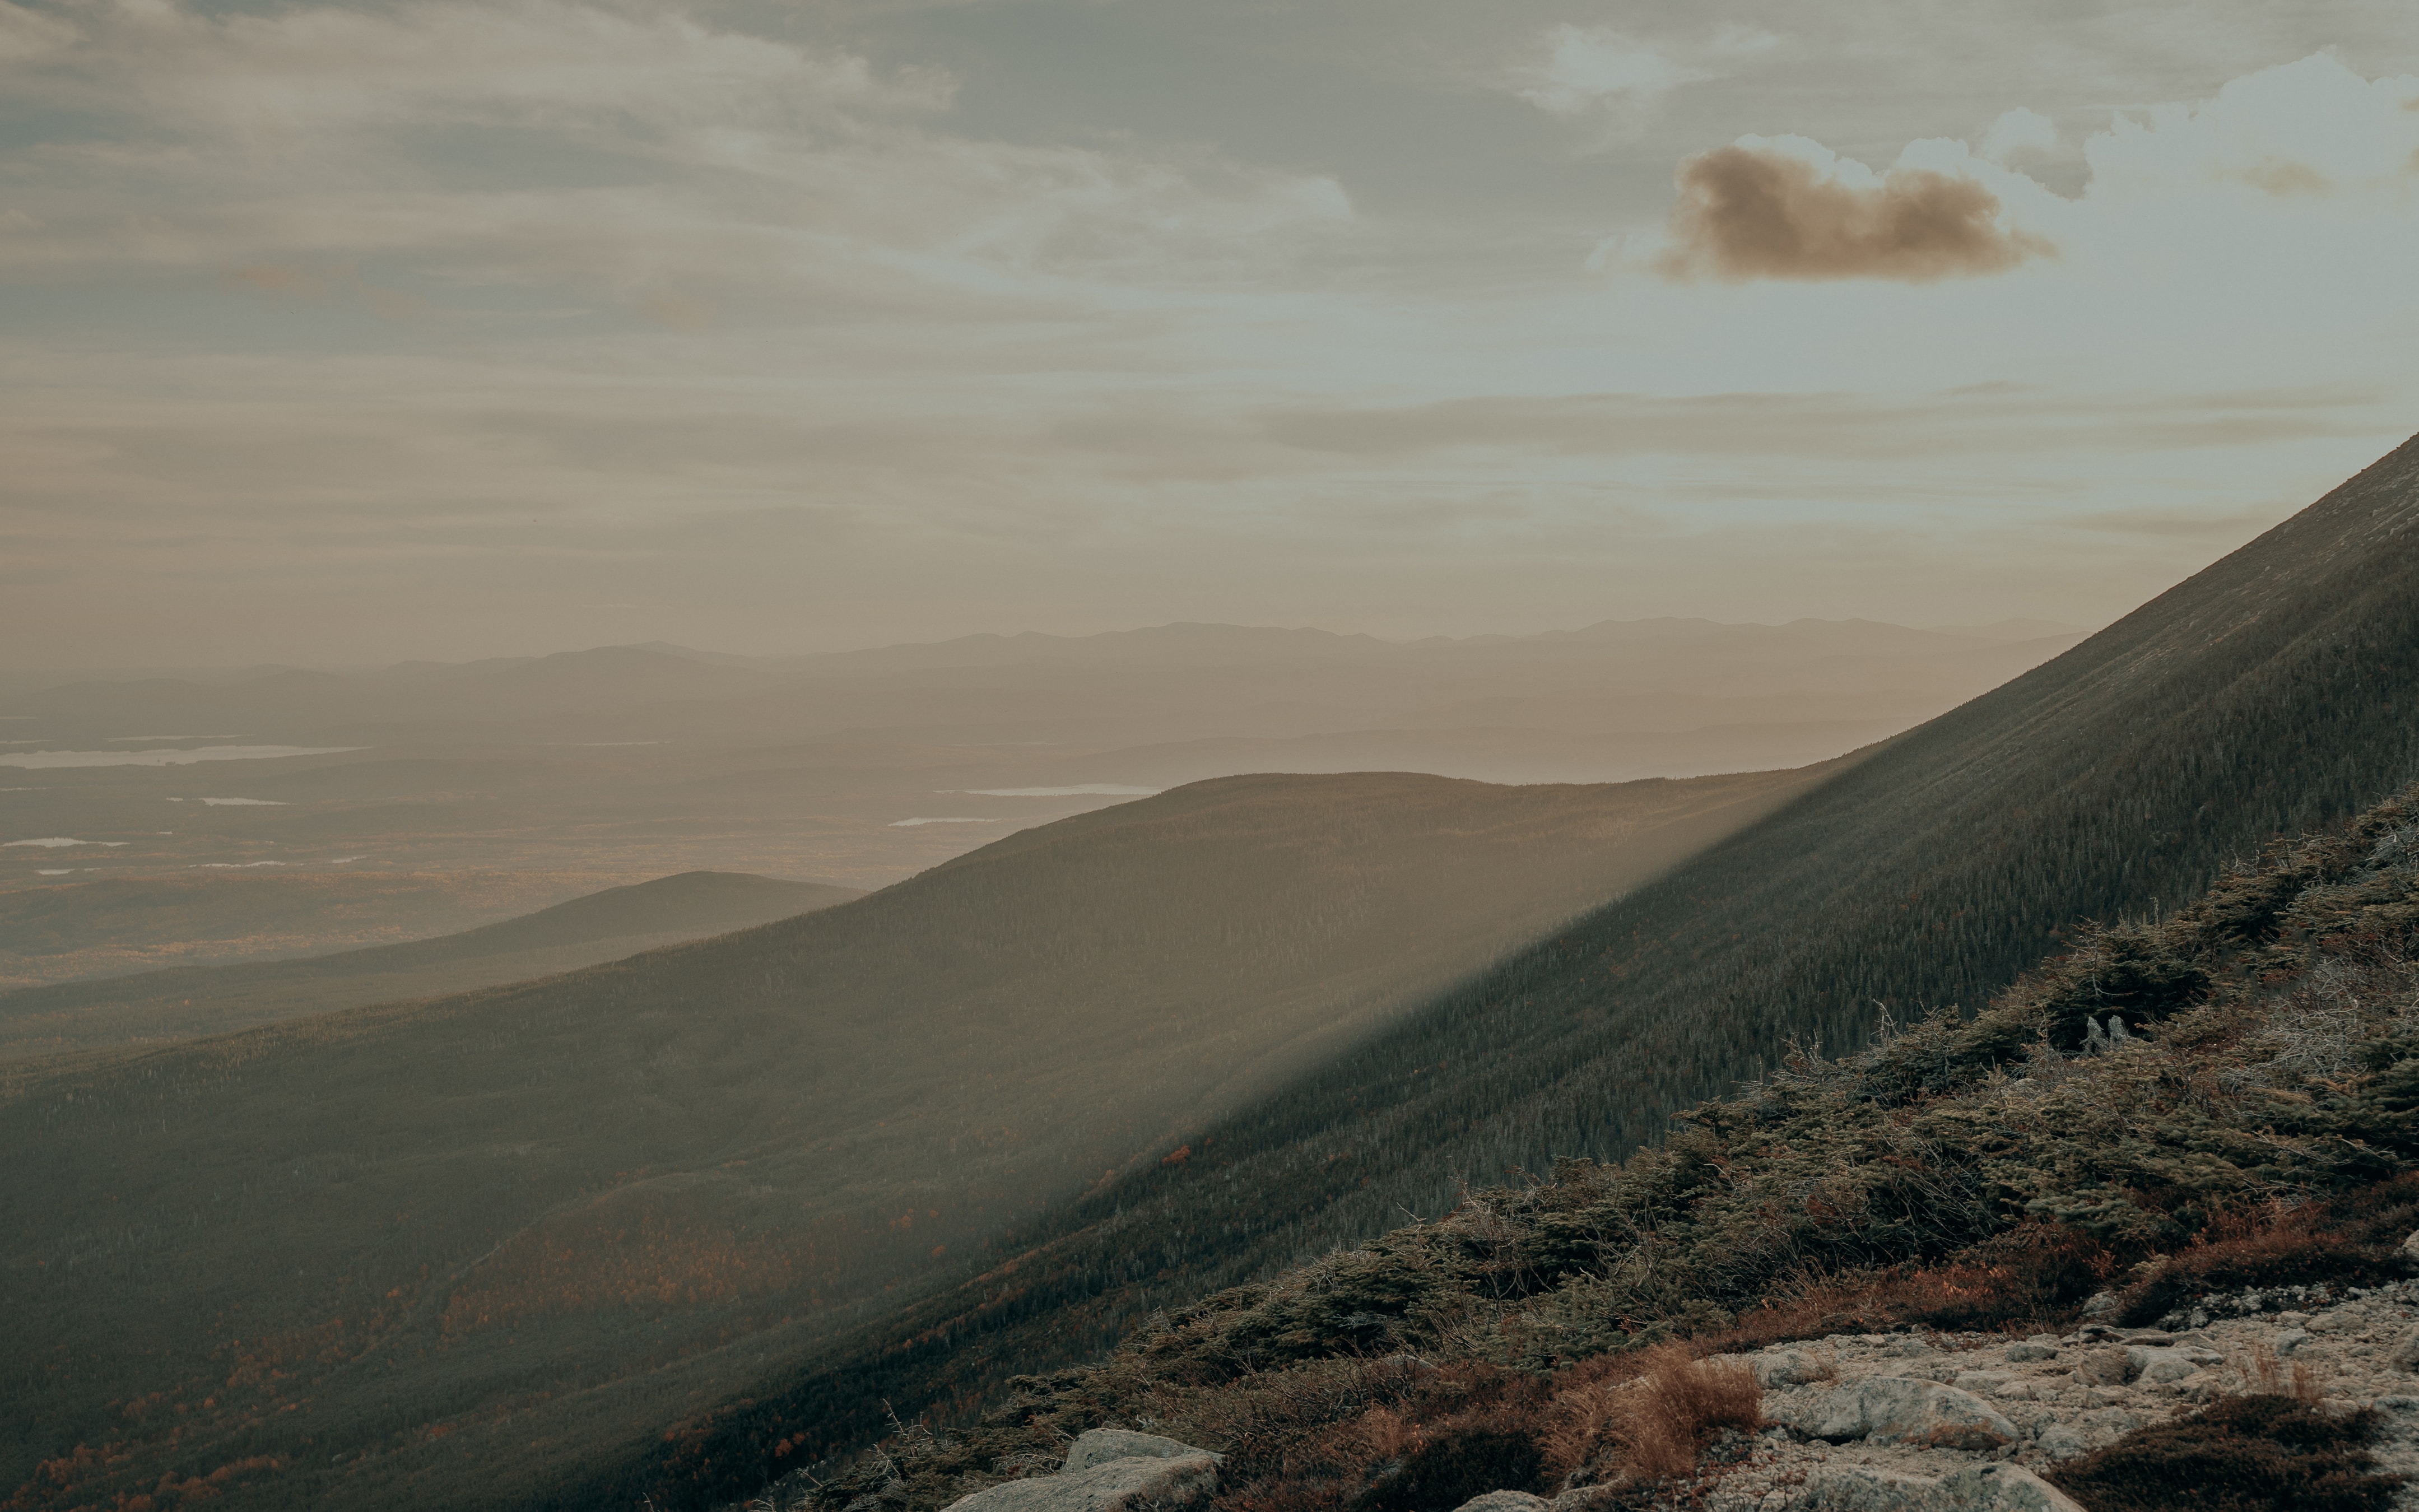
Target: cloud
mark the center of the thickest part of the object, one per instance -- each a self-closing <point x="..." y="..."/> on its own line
<point x="2019" y="132"/>
<point x="298" y="145"/>
<point x="1788" y="209"/>
<point x="1589" y="68"/>
<point x="2300" y="130"/>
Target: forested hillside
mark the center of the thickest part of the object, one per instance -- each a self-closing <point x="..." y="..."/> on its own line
<point x="2272" y="693"/>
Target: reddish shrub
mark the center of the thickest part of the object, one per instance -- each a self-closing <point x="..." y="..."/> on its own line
<point x="2354" y="1240"/>
<point x="2244" y="1454"/>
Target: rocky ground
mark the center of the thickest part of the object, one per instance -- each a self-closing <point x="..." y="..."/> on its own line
<point x="1866" y="1408"/>
<point x="1925" y="1422"/>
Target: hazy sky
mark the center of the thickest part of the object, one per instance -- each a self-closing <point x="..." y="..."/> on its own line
<point x="346" y="332"/>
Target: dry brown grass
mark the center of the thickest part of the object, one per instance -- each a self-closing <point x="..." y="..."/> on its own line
<point x="2264" y="1374"/>
<point x="1656" y="1417"/>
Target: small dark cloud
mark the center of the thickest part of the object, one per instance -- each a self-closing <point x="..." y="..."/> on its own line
<point x="1751" y="212"/>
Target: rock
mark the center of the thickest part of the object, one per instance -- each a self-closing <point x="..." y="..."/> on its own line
<point x="1789" y="1367"/>
<point x="2292" y="1319"/>
<point x="1896" y="1410"/>
<point x="2102" y="1366"/>
<point x="2064" y="1441"/>
<point x="1140" y="1483"/>
<point x="2030" y="1351"/>
<point x="2406" y="1350"/>
<point x="2326" y="1322"/>
<point x="2000" y="1487"/>
<point x="2099" y="1305"/>
<point x="1100" y="1446"/>
<point x="2148" y="1336"/>
<point x="2112" y="1421"/>
<point x="2153" y="1368"/>
<point x="1858" y="1489"/>
<point x="1980" y="1382"/>
<point x="1505" y="1502"/>
<point x="1944" y="1371"/>
<point x="2290" y="1342"/>
<point x="2410" y="1246"/>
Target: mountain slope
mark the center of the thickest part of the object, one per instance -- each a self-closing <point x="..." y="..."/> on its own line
<point x="516" y="1231"/>
<point x="2272" y="693"/>
<point x="181" y="1003"/>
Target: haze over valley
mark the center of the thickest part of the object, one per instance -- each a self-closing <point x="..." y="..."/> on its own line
<point x="1123" y="756"/>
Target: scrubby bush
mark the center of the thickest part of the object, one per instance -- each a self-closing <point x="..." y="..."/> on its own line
<point x="2242" y="1454"/>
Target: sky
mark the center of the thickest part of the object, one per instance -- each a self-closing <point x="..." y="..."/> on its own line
<point x="355" y="332"/>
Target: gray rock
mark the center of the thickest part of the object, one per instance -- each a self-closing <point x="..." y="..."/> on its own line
<point x="2406" y="1352"/>
<point x="2102" y="1366"/>
<point x="1137" y="1484"/>
<point x="1944" y="1371"/>
<point x="2410" y="1246"/>
<point x="1776" y="1369"/>
<point x="1895" y="1409"/>
<point x="1858" y="1489"/>
<point x="2000" y="1487"/>
<point x="2064" y="1441"/>
<point x="2153" y="1367"/>
<point x="2030" y="1351"/>
<point x="2290" y="1342"/>
<point x="1505" y="1502"/>
<point x="1100" y="1446"/>
<point x="2099" y="1305"/>
<point x="2112" y="1421"/>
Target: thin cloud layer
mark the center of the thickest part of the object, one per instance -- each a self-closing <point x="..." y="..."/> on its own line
<point x="1768" y="210"/>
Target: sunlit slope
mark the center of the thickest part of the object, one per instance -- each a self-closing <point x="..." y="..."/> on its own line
<point x="2276" y="691"/>
<point x="619" y="921"/>
<point x="489" y="1241"/>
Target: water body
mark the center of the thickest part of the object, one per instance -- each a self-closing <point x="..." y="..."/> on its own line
<point x="165" y="756"/>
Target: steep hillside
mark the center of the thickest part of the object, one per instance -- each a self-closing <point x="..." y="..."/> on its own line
<point x="619" y="921"/>
<point x="2204" y="1123"/>
<point x="516" y="1232"/>
<point x="2272" y="693"/>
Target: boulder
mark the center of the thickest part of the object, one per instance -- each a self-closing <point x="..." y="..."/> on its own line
<point x="2154" y="1367"/>
<point x="1895" y="1409"/>
<point x="2064" y="1441"/>
<point x="1860" y="1488"/>
<point x="1776" y="1369"/>
<point x="1100" y="1446"/>
<point x="1942" y="1370"/>
<point x="2000" y="1487"/>
<point x="2290" y="1342"/>
<point x="2102" y="1366"/>
<point x="2406" y="1350"/>
<point x="1148" y="1482"/>
<point x="2031" y="1350"/>
<point x="1505" y="1502"/>
<point x="2410" y="1246"/>
<point x="1995" y="1488"/>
